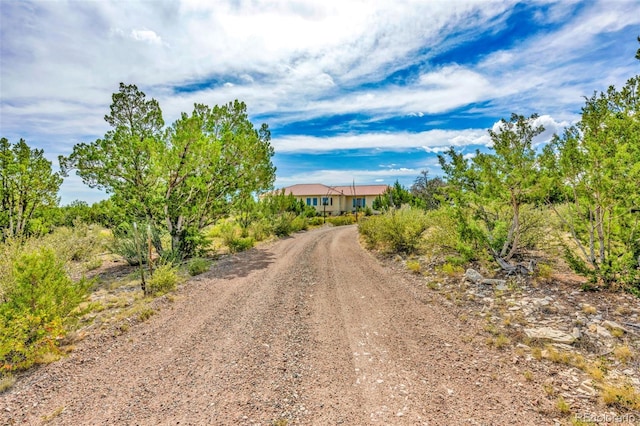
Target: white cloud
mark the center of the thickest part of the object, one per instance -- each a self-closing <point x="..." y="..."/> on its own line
<point x="433" y="140"/>
<point x="146" y="35"/>
<point x="346" y="177"/>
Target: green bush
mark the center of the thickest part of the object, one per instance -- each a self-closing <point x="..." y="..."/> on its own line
<point x="164" y="279"/>
<point x="316" y="221"/>
<point x="398" y="231"/>
<point x="240" y="244"/>
<point x="299" y="223"/>
<point x="197" y="266"/>
<point x="347" y="219"/>
<point x="260" y="230"/>
<point x="282" y="224"/>
<point x="38" y="307"/>
<point x="131" y="242"/>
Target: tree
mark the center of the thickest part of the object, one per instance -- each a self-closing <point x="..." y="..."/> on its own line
<point x="182" y="178"/>
<point x="214" y="157"/>
<point x="395" y="197"/>
<point x="27" y="184"/>
<point x="596" y="163"/>
<point x="493" y="187"/>
<point x="638" y="52"/>
<point x="122" y="163"/>
<point x="512" y="173"/>
<point x="428" y="190"/>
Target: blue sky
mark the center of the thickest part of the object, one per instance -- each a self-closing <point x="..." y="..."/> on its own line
<point x="364" y="91"/>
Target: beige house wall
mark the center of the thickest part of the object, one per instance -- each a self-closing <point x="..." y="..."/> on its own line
<point x="332" y="210"/>
<point x="341" y="203"/>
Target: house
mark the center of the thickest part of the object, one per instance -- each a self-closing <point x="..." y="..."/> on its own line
<point x="336" y="200"/>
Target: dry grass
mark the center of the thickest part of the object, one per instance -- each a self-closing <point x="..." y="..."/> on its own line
<point x="624" y="396"/>
<point x="589" y="309"/>
<point x="623" y="354"/>
<point x="6" y="382"/>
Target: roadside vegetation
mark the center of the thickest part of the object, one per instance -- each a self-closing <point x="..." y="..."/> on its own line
<point x="64" y="270"/>
<point x="573" y="207"/>
<point x="577" y="196"/>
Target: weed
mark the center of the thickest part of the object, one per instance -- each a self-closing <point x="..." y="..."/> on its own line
<point x="544" y="271"/>
<point x="413" y="266"/>
<point x="163" y="280"/>
<point x="451" y="270"/>
<point x="197" y="266"/>
<point x="144" y="314"/>
<point x="528" y="376"/>
<point x="589" y="309"/>
<point x="502" y="341"/>
<point x="563" y="406"/>
<point x="93" y="264"/>
<point x="617" y="332"/>
<point x="490" y="328"/>
<point x="596" y="371"/>
<point x="548" y="389"/>
<point x="623" y="354"/>
<point x="6" y="382"/>
<point x="433" y="285"/>
<point x="55" y="413"/>
<point x="624" y="396"/>
<point x="536" y="352"/>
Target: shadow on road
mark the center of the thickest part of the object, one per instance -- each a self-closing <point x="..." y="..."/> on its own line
<point x="242" y="264"/>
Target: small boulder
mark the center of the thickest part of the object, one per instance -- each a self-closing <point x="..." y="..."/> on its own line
<point x="473" y="276"/>
<point x="550" y="334"/>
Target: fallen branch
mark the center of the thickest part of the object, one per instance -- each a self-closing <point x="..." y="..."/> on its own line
<point x="517" y="269"/>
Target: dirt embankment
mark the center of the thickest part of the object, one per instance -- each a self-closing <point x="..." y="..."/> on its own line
<point x="308" y="330"/>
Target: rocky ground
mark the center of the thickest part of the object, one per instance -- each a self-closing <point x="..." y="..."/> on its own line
<point x="314" y="330"/>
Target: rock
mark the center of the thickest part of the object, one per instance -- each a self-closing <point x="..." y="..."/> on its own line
<point x="550" y="334"/>
<point x="602" y="332"/>
<point x="576" y="333"/>
<point x="586" y="389"/>
<point x="473" y="276"/>
<point x="499" y="284"/>
<point x="612" y="325"/>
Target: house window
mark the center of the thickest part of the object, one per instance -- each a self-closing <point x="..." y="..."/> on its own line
<point x="315" y="201"/>
<point x="308" y="201"/>
<point x="326" y="201"/>
<point x="359" y="202"/>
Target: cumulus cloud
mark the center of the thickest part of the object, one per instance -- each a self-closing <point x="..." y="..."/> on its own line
<point x="346" y="177"/>
<point x="146" y="35"/>
<point x="431" y="141"/>
<point x="305" y="62"/>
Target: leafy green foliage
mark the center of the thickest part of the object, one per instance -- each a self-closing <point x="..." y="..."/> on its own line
<point x="596" y="166"/>
<point x="27" y="184"/>
<point x="159" y="177"/>
<point x="164" y="279"/>
<point x="395" y="197"/>
<point x="397" y="231"/>
<point x="131" y="242"/>
<point x="197" y="266"/>
<point x="347" y="219"/>
<point x="492" y="188"/>
<point x="428" y="192"/>
<point x="241" y="244"/>
<point x="37" y="307"/>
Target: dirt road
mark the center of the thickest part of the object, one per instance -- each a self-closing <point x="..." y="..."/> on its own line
<point x="309" y="330"/>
